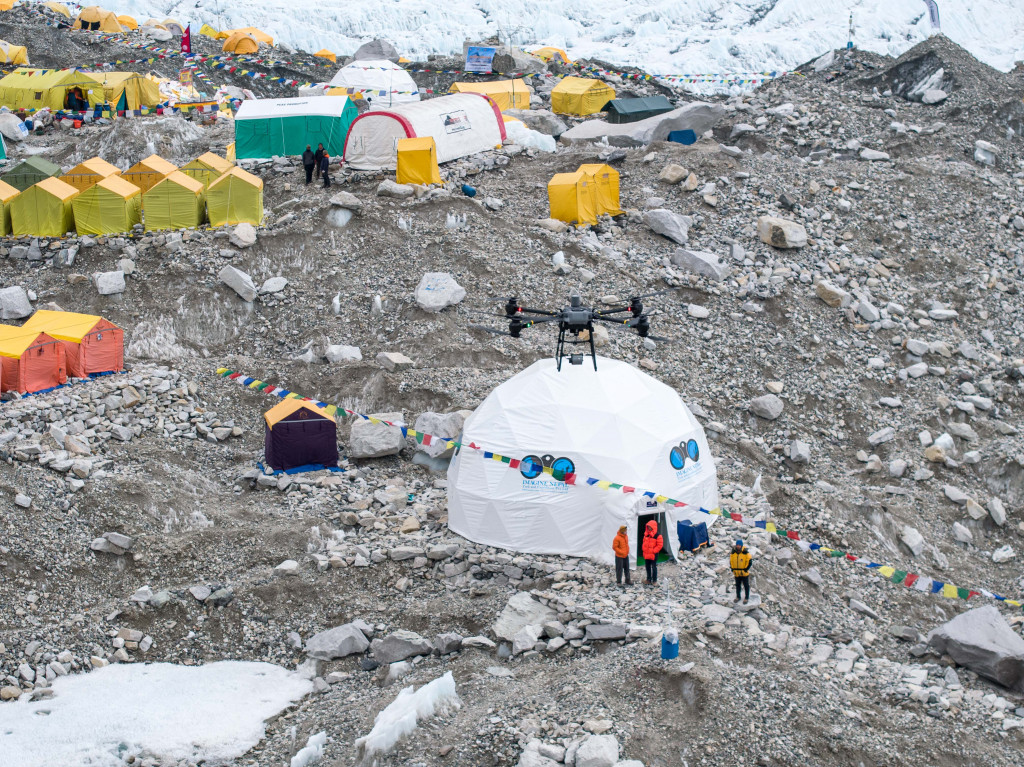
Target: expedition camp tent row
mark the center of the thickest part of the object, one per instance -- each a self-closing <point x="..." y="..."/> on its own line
<point x="30" y="360"/>
<point x="580" y="96"/>
<point x="580" y="197"/>
<point x="460" y="124"/>
<point x="299" y="434"/>
<point x="91" y="343"/>
<point x="284" y="127"/>
<point x="54" y="88"/>
<point x="381" y="82"/>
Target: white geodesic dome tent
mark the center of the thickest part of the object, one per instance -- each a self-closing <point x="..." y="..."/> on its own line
<point x="381" y="82"/>
<point x="616" y="424"/>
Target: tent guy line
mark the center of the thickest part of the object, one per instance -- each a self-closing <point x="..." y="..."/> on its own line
<point x="894" y="575"/>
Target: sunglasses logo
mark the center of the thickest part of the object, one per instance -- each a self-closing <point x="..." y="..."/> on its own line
<point x="689" y="449"/>
<point x="533" y="466"/>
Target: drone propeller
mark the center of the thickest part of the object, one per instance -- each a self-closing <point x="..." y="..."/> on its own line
<point x="655" y="293"/>
<point x="486" y="329"/>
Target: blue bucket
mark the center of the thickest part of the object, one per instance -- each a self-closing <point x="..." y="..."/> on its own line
<point x="669" y="650"/>
<point x="468" y="190"/>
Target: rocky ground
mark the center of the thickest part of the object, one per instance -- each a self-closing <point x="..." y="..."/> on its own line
<point x="862" y="386"/>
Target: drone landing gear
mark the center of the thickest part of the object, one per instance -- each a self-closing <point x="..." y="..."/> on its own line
<point x="574" y="359"/>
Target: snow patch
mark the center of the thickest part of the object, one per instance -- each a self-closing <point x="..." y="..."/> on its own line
<point x="213" y="713"/>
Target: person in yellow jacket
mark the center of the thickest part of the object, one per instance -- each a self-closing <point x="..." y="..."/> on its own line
<point x="740" y="561"/>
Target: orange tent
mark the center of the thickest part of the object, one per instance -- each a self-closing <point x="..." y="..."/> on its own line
<point x="30" y="361"/>
<point x="91" y="343"/>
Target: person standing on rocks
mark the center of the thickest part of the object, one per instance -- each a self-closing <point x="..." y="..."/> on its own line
<point x="318" y="158"/>
<point x="653" y="543"/>
<point x="325" y="169"/>
<point x="621" y="548"/>
<point x="308" y="160"/>
<point x="740" y="561"/>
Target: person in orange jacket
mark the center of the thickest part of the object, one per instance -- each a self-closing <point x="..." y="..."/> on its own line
<point x="653" y="543"/>
<point x="621" y="548"/>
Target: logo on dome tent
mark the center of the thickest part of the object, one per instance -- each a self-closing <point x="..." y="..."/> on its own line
<point x="683" y="452"/>
<point x="531" y="466"/>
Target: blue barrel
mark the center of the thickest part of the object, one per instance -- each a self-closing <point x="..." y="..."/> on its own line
<point x="468" y="190"/>
<point x="669" y="649"/>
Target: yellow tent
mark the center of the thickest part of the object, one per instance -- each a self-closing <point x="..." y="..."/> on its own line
<point x="88" y="173"/>
<point x="58" y="8"/>
<point x="176" y="202"/>
<point x="207" y="31"/>
<point x="323" y="53"/>
<point x="128" y="22"/>
<point x="580" y="96"/>
<point x="95" y="18"/>
<point x="417" y="161"/>
<point x="507" y="94"/>
<point x="113" y="205"/>
<point x="240" y="42"/>
<point x="125" y="90"/>
<point x="6" y="5"/>
<point x="571" y="198"/>
<point x="43" y="210"/>
<point x="547" y="53"/>
<point x="606" y="187"/>
<point x="37" y="88"/>
<point x="206" y="168"/>
<point x="13" y="54"/>
<point x="7" y="193"/>
<point x="147" y="173"/>
<point x="235" y="197"/>
<point x="175" y="27"/>
<point x="260" y="35"/>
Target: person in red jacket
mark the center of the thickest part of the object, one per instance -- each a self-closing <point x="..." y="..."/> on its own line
<point x="620" y="545"/>
<point x="652" y="544"/>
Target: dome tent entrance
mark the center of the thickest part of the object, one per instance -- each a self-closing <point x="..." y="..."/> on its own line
<point x="381" y="82"/>
<point x="284" y="127"/>
<point x="300" y="434"/>
<point x="461" y="124"/>
<point x="97" y="19"/>
<point x="616" y="423"/>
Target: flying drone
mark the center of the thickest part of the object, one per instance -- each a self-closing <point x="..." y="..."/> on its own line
<point x="575" y="319"/>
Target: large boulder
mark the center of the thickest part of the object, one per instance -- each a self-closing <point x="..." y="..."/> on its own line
<point x="703" y="263"/>
<point x="399" y="645"/>
<point x="522" y="610"/>
<point x="540" y="120"/>
<point x="243" y="235"/>
<point x="375" y="440"/>
<point x="376" y="50"/>
<point x="14" y="303"/>
<point x="981" y="640"/>
<point x="438" y="290"/>
<point x="668" y="224"/>
<point x="337" y="642"/>
<point x="767" y="406"/>
<point x="697" y="116"/>
<point x="445" y="425"/>
<point x="238" y="281"/>
<point x="12" y="128"/>
<point x="108" y="283"/>
<point x="780" y="233"/>
<point x="598" y="751"/>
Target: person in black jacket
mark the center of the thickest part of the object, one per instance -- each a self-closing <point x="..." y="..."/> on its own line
<point x="308" y="162"/>
<point x="318" y="158"/>
<point x="325" y="169"/>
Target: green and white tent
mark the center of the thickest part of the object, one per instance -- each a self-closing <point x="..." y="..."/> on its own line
<point x="283" y="127"/>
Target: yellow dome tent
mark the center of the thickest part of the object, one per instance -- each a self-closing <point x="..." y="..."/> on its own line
<point x="7" y="193"/>
<point x="13" y="54"/>
<point x="606" y="187"/>
<point x="547" y="53"/>
<point x="43" y="210"/>
<point x="154" y="24"/>
<point x="97" y="19"/>
<point x="417" y="161"/>
<point x="108" y="207"/>
<point x="571" y="198"/>
<point x="89" y="173"/>
<point x="6" y="5"/>
<point x="259" y="34"/>
<point x="128" y="22"/>
<point x="234" y="198"/>
<point x="323" y="53"/>
<point x="580" y="96"/>
<point x="206" y="168"/>
<point x="240" y="43"/>
<point x="176" y="202"/>
<point x="149" y="172"/>
<point x="507" y="94"/>
<point x="58" y="8"/>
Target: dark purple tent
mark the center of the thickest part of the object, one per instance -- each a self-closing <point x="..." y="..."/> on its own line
<point x="300" y="434"/>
